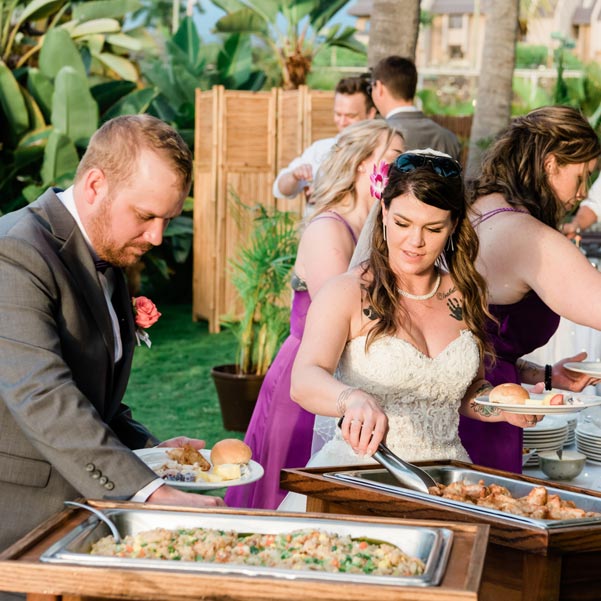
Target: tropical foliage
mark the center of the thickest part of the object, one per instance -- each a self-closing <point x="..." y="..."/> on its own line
<point x="187" y="63"/>
<point x="260" y="273"/>
<point x="294" y="31"/>
<point x="64" y="68"/>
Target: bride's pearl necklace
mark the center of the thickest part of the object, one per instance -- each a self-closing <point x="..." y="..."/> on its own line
<point x="422" y="296"/>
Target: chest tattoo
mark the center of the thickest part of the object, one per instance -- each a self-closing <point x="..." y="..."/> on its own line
<point x="455" y="309"/>
<point x="443" y="295"/>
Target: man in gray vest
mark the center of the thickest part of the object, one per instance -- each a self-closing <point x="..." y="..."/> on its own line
<point x="394" y="81"/>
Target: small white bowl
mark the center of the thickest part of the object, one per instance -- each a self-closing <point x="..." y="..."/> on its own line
<point x="566" y="468"/>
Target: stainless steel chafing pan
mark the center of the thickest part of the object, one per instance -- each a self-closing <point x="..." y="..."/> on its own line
<point x="445" y="474"/>
<point x="430" y="544"/>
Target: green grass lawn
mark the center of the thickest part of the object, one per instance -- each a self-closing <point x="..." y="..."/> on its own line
<point x="170" y="389"/>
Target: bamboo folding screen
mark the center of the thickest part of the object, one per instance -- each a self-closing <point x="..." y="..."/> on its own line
<point x="242" y="140"/>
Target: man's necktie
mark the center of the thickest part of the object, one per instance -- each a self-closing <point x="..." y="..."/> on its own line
<point x="101" y="265"/>
<point x="106" y="277"/>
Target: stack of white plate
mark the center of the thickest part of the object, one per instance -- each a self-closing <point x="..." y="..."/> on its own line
<point x="549" y="434"/>
<point x="572" y="419"/>
<point x="588" y="434"/>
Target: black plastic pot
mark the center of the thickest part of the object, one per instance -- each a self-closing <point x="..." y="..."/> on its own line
<point x="237" y="394"/>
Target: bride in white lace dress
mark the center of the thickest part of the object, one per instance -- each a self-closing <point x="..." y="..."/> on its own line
<point x="396" y="345"/>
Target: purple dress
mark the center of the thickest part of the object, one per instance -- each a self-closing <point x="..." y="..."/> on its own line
<point x="523" y="327"/>
<point x="280" y="431"/>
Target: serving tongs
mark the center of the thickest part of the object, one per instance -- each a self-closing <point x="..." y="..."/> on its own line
<point x="100" y="515"/>
<point x="407" y="474"/>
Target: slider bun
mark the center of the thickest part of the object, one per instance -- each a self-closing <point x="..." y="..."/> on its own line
<point x="228" y="471"/>
<point x="230" y="450"/>
<point x="512" y="394"/>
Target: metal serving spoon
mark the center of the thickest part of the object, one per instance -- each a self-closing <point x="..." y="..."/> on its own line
<point x="407" y="474"/>
<point x="99" y="514"/>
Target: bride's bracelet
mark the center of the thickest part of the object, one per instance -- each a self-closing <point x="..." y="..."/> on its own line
<point x="342" y="398"/>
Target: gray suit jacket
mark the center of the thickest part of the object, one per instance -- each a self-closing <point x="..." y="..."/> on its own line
<point x="421" y="132"/>
<point x="63" y="429"/>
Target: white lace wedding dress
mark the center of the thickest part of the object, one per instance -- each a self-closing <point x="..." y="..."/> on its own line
<point x="420" y="395"/>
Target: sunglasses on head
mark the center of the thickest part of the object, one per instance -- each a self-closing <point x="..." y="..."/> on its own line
<point x="443" y="166"/>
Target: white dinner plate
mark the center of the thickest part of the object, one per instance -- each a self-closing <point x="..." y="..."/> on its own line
<point x="582" y="433"/>
<point x="156" y="457"/>
<point x="589" y="368"/>
<point x="572" y="404"/>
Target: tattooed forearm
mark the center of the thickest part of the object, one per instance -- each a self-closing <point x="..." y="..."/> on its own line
<point x="454" y="306"/>
<point x="484" y="411"/>
<point x="483" y="389"/>
<point x="530" y="372"/>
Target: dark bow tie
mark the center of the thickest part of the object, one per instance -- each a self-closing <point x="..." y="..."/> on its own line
<point x="101" y="265"/>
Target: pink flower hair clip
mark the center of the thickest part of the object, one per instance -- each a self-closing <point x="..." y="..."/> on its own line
<point x="146" y="314"/>
<point x="379" y="179"/>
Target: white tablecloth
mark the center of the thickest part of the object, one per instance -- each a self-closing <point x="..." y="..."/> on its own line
<point x="570" y="339"/>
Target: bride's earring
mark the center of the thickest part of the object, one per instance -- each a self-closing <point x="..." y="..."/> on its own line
<point x="384" y="231"/>
<point x="450" y="246"/>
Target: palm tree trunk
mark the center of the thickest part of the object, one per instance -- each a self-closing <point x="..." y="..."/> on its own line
<point x="393" y="29"/>
<point x="495" y="83"/>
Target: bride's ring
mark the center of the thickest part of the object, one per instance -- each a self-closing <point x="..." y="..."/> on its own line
<point x="356" y="421"/>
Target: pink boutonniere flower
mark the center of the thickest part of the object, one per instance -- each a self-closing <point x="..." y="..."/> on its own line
<point x="146" y="314"/>
<point x="379" y="179"/>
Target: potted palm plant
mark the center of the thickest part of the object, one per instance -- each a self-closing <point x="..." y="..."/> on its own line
<point x="260" y="273"/>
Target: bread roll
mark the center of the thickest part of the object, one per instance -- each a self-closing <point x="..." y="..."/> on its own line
<point x="228" y="471"/>
<point x="230" y="450"/>
<point x="511" y="394"/>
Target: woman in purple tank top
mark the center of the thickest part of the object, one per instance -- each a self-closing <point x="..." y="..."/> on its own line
<point x="534" y="173"/>
<point x="280" y="431"/>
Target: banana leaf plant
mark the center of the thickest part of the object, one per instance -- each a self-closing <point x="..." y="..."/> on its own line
<point x="189" y="64"/>
<point x="294" y="31"/>
<point x="260" y="274"/>
<point x="53" y="55"/>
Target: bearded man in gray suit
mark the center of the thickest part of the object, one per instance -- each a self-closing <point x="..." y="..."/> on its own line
<point x="67" y="330"/>
<point x="393" y="85"/>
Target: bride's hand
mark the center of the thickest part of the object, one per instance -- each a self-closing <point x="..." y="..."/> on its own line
<point x="521" y="420"/>
<point x="364" y="424"/>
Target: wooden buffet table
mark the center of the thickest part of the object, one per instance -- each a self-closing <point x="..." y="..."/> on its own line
<point x="523" y="563"/>
<point x="21" y="570"/>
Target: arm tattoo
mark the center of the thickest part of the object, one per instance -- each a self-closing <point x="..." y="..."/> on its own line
<point x="530" y="372"/>
<point x="484" y="411"/>
<point x="484" y="389"/>
<point x="455" y="308"/>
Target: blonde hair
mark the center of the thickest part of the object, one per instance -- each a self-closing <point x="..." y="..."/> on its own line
<point x="116" y="146"/>
<point x="338" y="172"/>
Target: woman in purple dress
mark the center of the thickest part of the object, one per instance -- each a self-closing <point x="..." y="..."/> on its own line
<point x="280" y="431"/>
<point x="534" y="174"/>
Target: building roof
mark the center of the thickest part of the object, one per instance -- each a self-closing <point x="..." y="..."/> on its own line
<point x="361" y="8"/>
<point x="458" y="7"/>
<point x="582" y="14"/>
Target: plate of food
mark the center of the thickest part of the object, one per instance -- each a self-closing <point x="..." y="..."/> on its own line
<point x="589" y="368"/>
<point x="514" y="398"/>
<point x="228" y="463"/>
